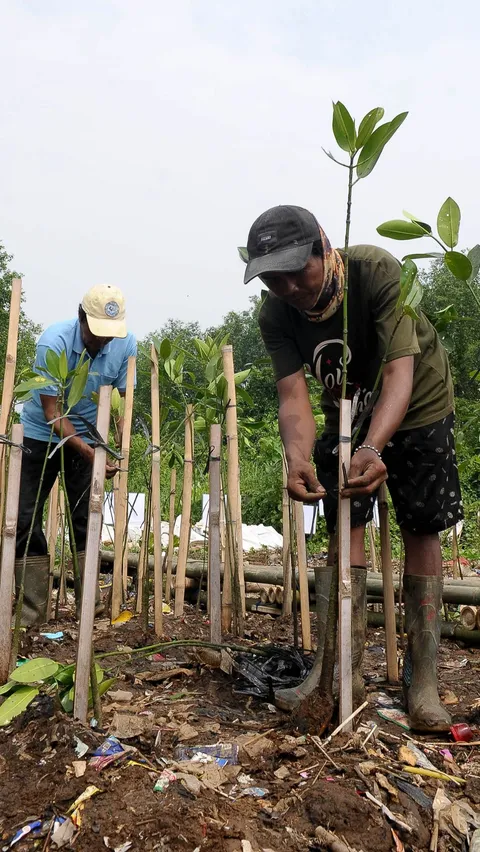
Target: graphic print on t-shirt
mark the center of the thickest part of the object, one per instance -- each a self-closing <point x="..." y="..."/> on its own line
<point x="327" y="364"/>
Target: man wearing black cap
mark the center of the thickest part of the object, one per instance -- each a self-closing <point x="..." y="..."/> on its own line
<point x="408" y="436"/>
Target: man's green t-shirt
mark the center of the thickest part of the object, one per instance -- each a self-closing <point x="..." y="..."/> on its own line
<point x="293" y="341"/>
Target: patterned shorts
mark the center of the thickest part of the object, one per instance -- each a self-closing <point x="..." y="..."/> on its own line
<point x="422" y="479"/>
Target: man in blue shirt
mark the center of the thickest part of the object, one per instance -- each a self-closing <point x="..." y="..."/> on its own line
<point x="100" y="332"/>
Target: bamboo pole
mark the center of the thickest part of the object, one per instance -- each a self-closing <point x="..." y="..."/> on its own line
<point x="9" y="379"/>
<point x="8" y="552"/>
<point x="142" y="556"/>
<point x="388" y="593"/>
<point x="286" y="555"/>
<point x="186" y="514"/>
<point x="455" y="554"/>
<point x="119" y="578"/>
<point x="302" y="576"/>
<point x="156" y="505"/>
<point x="90" y="577"/>
<point x="62" y="589"/>
<point x="371" y="542"/>
<point x="51" y="536"/>
<point x="344" y="572"/>
<point x="234" y="518"/>
<point x="214" y="546"/>
<point x="171" y="527"/>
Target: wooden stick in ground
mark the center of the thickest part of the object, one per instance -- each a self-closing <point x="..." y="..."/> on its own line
<point x="121" y="499"/>
<point x="214" y="547"/>
<point x="7" y="568"/>
<point x="286" y="555"/>
<point x="62" y="589"/>
<point x="142" y="554"/>
<point x="156" y="506"/>
<point x="9" y="379"/>
<point x="371" y="541"/>
<point x="344" y="572"/>
<point x="234" y="519"/>
<point x="171" y="536"/>
<point x="186" y="514"/>
<point x="388" y="592"/>
<point x="456" y="569"/>
<point x="90" y="577"/>
<point x="303" y="576"/>
<point x="51" y="534"/>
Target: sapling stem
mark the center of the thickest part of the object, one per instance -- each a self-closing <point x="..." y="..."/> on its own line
<point x="345" y="291"/>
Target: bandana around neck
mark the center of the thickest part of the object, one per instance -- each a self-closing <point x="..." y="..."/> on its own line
<point x="333" y="282"/>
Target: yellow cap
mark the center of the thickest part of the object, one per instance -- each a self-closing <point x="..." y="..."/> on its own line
<point x="104" y="306"/>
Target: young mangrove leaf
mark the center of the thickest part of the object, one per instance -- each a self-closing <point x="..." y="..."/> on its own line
<point x="78" y="385"/>
<point x="399" y="229"/>
<point x="367" y="126"/>
<point x="459" y="265"/>
<point x="448" y="223"/>
<point x="16" y="704"/>
<point x="165" y="349"/>
<point x="371" y="152"/>
<point x="51" y="360"/>
<point x="343" y="128"/>
<point x="35" y="670"/>
<point x="474" y="258"/>
<point x="63" y="365"/>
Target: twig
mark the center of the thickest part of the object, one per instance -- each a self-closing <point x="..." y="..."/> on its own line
<point x="331" y="841"/>
<point x="370" y="734"/>
<point x="317" y="742"/>
<point x="345" y="722"/>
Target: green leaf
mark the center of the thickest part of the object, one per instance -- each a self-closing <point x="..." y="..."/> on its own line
<point x="51" y="360"/>
<point x="410" y="312"/>
<point x="434" y="254"/>
<point x="67" y="702"/>
<point x="367" y="125"/>
<point x="33" y="671"/>
<point x="243" y="253"/>
<point x="8" y="687"/>
<point x="459" y="265"/>
<point x="427" y="228"/>
<point x="398" y="229"/>
<point x="245" y="396"/>
<point x="65" y="674"/>
<point x="200" y="424"/>
<point x="63" y="365"/>
<point x="442" y="319"/>
<point x="372" y="150"/>
<point x="36" y="383"/>
<point x="474" y="258"/>
<point x="343" y="128"/>
<point x="448" y="222"/>
<point x="16" y="704"/>
<point x="165" y="349"/>
<point x="242" y="376"/>
<point x="78" y="385"/>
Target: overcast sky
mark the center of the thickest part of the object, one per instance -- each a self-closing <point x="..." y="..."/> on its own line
<point x="140" y="138"/>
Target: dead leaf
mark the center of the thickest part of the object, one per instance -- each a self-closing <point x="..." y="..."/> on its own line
<point x="226" y="663"/>
<point x="385" y="784"/>
<point x="157" y="677"/>
<point x="126" y="726"/>
<point x="190" y="782"/>
<point x="449" y="697"/>
<point x="79" y="768"/>
<point x="262" y="747"/>
<point x="120" y="695"/>
<point x="124" y="616"/>
<point x="186" y="732"/>
<point x="213" y="775"/>
<point x="406" y="756"/>
<point x="367" y="767"/>
<point x="281" y="773"/>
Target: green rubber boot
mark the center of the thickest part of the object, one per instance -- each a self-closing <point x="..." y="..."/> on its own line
<point x="423" y="600"/>
<point x="35" y="588"/>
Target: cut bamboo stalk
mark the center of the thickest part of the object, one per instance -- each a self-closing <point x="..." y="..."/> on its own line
<point x="51" y="534"/>
<point x="477" y="624"/>
<point x="388" y="592"/>
<point x="156" y="505"/>
<point x="119" y="578"/>
<point x="142" y="561"/>
<point x="468" y="617"/>
<point x="214" y="546"/>
<point x="371" y="541"/>
<point x="286" y="556"/>
<point x="344" y="571"/>
<point x="186" y="514"/>
<point x="234" y="519"/>
<point x="171" y="535"/>
<point x="92" y="549"/>
<point x="9" y="379"/>
<point x="303" y="576"/>
<point x="8" y="552"/>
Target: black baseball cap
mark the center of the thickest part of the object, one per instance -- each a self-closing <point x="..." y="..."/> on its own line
<point x="280" y="240"/>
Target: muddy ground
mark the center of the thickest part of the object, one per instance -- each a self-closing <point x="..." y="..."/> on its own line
<point x="303" y="785"/>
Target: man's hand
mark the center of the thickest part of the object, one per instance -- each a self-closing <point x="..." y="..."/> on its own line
<point x="367" y="472"/>
<point x="303" y="484"/>
<point x="110" y="470"/>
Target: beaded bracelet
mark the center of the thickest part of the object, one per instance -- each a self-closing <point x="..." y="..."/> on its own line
<point x="368" y="447"/>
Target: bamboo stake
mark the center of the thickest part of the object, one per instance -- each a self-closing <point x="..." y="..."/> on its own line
<point x="156" y="506"/>
<point x="8" y="552"/>
<point x="455" y="554"/>
<point x="142" y="556"/>
<point x="214" y="546"/>
<point x="121" y="499"/>
<point x="90" y="577"/>
<point x="388" y="593"/>
<point x="171" y="527"/>
<point x="233" y="481"/>
<point x="303" y="576"/>
<point x="9" y="379"/>
<point x="186" y="514"/>
<point x="344" y="572"/>
<point x="62" y="589"/>
<point x="286" y="555"/>
<point x="51" y="536"/>
<point x="371" y="541"/>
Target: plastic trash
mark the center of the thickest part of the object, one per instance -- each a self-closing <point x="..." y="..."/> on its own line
<point x="461" y="732"/>
<point x="262" y="676"/>
<point x="22" y="832"/>
<point x="109" y="752"/>
<point x="164" y="781"/>
<point x="221" y="753"/>
<point x="81" y="748"/>
<point x="55" y="637"/>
